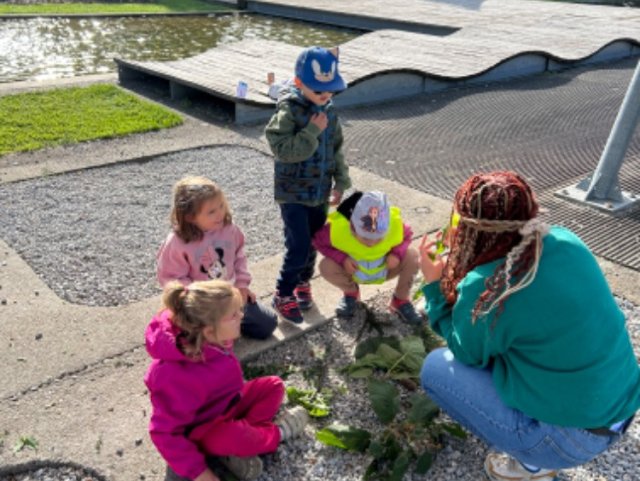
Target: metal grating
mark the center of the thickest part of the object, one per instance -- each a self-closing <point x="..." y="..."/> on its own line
<point x="551" y="128"/>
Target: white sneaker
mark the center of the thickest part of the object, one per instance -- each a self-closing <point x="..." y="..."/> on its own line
<point x="292" y="422"/>
<point x="502" y="467"/>
<point x="247" y="468"/>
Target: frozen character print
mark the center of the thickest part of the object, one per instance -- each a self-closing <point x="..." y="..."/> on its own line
<point x="370" y="221"/>
<point x="213" y="263"/>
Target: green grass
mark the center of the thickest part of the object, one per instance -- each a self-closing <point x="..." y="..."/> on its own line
<point x="64" y="116"/>
<point x="160" y="6"/>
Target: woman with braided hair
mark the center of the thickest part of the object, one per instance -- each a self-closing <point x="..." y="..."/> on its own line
<point x="538" y="361"/>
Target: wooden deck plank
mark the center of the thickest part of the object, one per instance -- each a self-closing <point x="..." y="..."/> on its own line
<point x="492" y="31"/>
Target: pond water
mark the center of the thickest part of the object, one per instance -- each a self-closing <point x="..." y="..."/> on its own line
<point x="45" y="48"/>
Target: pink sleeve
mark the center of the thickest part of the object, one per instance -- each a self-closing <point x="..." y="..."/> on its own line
<point x="172" y="262"/>
<point x="240" y="268"/>
<point x="322" y="243"/>
<point x="401" y="249"/>
<point x="170" y="417"/>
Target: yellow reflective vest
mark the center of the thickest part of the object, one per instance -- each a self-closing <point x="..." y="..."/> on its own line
<point x="372" y="266"/>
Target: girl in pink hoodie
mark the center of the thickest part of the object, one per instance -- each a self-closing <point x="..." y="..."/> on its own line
<point x="201" y="404"/>
<point x="205" y="244"/>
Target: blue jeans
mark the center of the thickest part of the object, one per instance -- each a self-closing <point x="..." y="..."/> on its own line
<point x="301" y="222"/>
<point x="259" y="321"/>
<point x="468" y="395"/>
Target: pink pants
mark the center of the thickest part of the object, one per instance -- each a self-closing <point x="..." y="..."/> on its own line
<point x="247" y="428"/>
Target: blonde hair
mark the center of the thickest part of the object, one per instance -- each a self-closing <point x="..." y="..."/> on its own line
<point x="188" y="196"/>
<point x="201" y="304"/>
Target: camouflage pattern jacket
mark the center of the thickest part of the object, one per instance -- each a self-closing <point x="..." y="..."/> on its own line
<point x="309" y="163"/>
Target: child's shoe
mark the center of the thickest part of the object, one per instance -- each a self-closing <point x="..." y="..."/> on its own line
<point x="292" y="422"/>
<point x="243" y="468"/>
<point x="170" y="475"/>
<point x="502" y="467"/>
<point x="404" y="310"/>
<point x="288" y="308"/>
<point x="303" y="296"/>
<point x="346" y="307"/>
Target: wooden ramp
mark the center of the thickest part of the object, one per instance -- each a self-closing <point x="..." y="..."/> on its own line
<point x="389" y="64"/>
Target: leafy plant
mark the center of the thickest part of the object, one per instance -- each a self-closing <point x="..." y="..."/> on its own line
<point x="25" y="442"/>
<point x="400" y="359"/>
<point x="315" y="402"/>
<point x="411" y="435"/>
<point x="345" y="437"/>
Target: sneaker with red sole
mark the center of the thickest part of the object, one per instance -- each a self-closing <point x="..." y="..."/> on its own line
<point x="303" y="296"/>
<point x="404" y="310"/>
<point x="288" y="308"/>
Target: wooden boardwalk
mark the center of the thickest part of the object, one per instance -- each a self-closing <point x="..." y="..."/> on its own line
<point x="496" y="39"/>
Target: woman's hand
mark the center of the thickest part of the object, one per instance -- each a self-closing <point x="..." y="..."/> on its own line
<point x="207" y="475"/>
<point x="392" y="261"/>
<point x="247" y="295"/>
<point x="431" y="263"/>
<point x="350" y="266"/>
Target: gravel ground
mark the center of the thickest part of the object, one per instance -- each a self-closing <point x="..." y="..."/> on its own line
<point x="79" y="209"/>
<point x="104" y="225"/>
<point x="459" y="460"/>
<point x="309" y="460"/>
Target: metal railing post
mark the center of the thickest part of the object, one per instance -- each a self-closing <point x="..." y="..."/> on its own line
<point x="602" y="188"/>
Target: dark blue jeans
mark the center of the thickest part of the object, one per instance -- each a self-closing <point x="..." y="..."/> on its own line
<point x="259" y="321"/>
<point x="301" y="222"/>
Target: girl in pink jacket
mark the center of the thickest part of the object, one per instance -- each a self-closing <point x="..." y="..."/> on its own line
<point x="206" y="244"/>
<point x="201" y="406"/>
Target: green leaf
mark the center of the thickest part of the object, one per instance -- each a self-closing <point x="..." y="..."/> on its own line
<point x="376" y="449"/>
<point x="400" y="375"/>
<point x="455" y="430"/>
<point x="413" y="347"/>
<point x="423" y="409"/>
<point x="440" y="245"/>
<point x="26" y="442"/>
<point x="400" y="466"/>
<point x="372" y="361"/>
<point x="370" y="345"/>
<point x="385" y="400"/>
<point x="391" y="445"/>
<point x="388" y="354"/>
<point x="345" y="437"/>
<point x="313" y="401"/>
<point x="361" y="372"/>
<point x="371" y="471"/>
<point x="424" y="462"/>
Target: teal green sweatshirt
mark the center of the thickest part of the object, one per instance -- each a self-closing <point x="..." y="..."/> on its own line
<point x="559" y="351"/>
